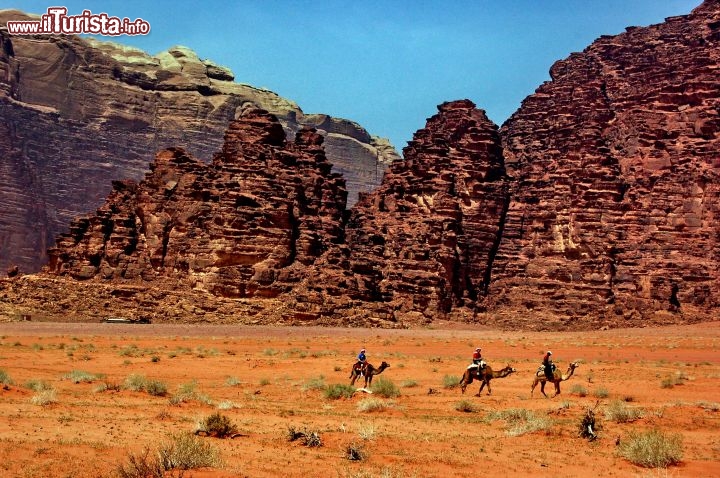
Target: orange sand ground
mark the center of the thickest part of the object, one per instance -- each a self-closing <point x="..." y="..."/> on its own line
<point x="266" y="376"/>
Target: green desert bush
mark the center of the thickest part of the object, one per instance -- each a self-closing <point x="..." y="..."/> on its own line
<point x="385" y="387"/>
<point x="339" y="390"/>
<point x="652" y="449"/>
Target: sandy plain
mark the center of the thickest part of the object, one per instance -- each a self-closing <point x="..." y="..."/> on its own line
<point x="270" y="379"/>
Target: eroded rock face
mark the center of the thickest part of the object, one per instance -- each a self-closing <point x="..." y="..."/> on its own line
<point x="76" y="114"/>
<point x="596" y="204"/>
<point x="423" y="243"/>
<point x="615" y="167"/>
<point x="245" y="225"/>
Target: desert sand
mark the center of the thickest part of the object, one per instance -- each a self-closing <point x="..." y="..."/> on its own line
<point x="267" y="380"/>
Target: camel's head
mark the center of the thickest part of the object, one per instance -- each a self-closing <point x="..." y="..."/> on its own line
<point x="574" y="365"/>
<point x="384" y="365"/>
<point x="509" y="369"/>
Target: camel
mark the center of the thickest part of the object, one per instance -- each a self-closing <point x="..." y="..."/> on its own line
<point x="370" y="372"/>
<point x="485" y="375"/>
<point x="557" y="378"/>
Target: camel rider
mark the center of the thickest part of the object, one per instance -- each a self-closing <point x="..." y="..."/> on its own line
<point x="361" y="362"/>
<point x="477" y="359"/>
<point x="548" y="365"/>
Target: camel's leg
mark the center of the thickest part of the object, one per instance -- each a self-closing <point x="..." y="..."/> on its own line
<point x="532" y="389"/>
<point x="542" y="387"/>
<point x="557" y="389"/>
<point x="482" y="385"/>
<point x="466" y="380"/>
<point x="488" y="384"/>
<point x="354" y="377"/>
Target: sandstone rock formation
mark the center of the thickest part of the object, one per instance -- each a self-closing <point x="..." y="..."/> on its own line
<point x="615" y="166"/>
<point x="76" y="114"/>
<point x="423" y="243"/>
<point x="595" y="205"/>
<point x="245" y="225"/>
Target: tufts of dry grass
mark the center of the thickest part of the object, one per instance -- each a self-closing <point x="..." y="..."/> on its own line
<point x="652" y="449"/>
<point x="618" y="411"/>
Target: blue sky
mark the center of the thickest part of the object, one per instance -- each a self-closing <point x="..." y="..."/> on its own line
<point x="385" y="64"/>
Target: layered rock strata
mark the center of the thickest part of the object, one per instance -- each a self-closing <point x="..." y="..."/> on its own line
<point x="77" y="113"/>
<point x="595" y="205"/>
<point x="423" y="243"/>
<point x="615" y="166"/>
<point x="245" y="225"/>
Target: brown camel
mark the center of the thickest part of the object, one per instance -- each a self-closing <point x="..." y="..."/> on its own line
<point x="485" y="375"/>
<point x="557" y="378"/>
<point x="370" y="372"/>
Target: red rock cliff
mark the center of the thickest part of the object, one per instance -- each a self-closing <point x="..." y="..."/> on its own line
<point x="245" y="225"/>
<point x="615" y="166"/>
<point x="423" y="243"/>
<point x="76" y="114"/>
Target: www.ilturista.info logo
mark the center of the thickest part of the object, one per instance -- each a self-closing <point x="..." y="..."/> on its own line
<point x="57" y="21"/>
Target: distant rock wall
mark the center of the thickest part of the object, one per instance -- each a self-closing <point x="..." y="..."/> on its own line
<point x="245" y="225"/>
<point x="76" y="114"/>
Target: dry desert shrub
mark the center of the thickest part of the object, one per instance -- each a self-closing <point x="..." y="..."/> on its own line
<point x="520" y="421"/>
<point x="80" y="376"/>
<point x="373" y="405"/>
<point x="37" y="385"/>
<point x="579" y="390"/>
<point x="618" y="411"/>
<point x="356" y="452"/>
<point x="185" y="451"/>
<point x="217" y="425"/>
<point x="5" y="379"/>
<point x="385" y="387"/>
<point x="44" y="397"/>
<point x="451" y="381"/>
<point x="138" y="383"/>
<point x="652" y="449"/>
<point x="315" y="384"/>
<point x="465" y="406"/>
<point x="181" y="452"/>
<point x="143" y="465"/>
<point x="308" y="438"/>
<point x="188" y="391"/>
<point x="339" y="390"/>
